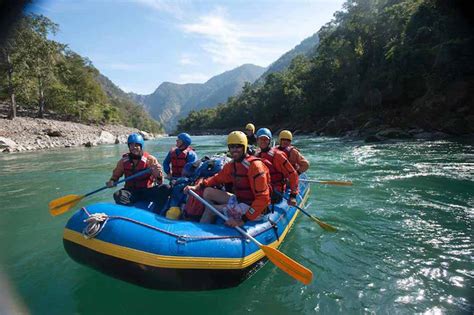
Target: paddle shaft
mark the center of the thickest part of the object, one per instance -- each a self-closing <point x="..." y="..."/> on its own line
<point x="297" y="207"/>
<point x="223" y="216"/>
<point x="322" y="224"/>
<point x="145" y="171"/>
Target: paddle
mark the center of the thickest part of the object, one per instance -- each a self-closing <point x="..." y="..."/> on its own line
<point x="325" y="226"/>
<point x="326" y="182"/>
<point x="285" y="263"/>
<point x="63" y="204"/>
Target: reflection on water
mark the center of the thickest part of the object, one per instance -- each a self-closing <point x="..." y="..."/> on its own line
<point x="404" y="243"/>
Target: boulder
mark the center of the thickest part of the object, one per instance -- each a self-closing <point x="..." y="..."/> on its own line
<point x="106" y="137"/>
<point x="52" y="133"/>
<point x="7" y="143"/>
<point x="121" y="139"/>
<point x="373" y="138"/>
<point x="393" y="133"/>
<point x="373" y="123"/>
<point x="90" y="144"/>
<point x="337" y="125"/>
<point x="456" y="126"/>
<point x="352" y="133"/>
<point x="431" y="135"/>
<point x="146" y="135"/>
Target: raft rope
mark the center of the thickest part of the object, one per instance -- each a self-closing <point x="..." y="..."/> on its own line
<point x="97" y="221"/>
<point x="95" y="224"/>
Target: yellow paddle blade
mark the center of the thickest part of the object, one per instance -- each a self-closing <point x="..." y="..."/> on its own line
<point x="63" y="204"/>
<point x="325" y="226"/>
<point x="331" y="182"/>
<point x="288" y="265"/>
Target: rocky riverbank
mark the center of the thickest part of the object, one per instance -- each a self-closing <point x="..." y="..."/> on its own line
<point x="29" y="134"/>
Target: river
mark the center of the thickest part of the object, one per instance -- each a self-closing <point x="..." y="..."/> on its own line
<point x="404" y="245"/>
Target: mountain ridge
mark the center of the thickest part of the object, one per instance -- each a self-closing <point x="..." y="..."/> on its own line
<point x="172" y="101"/>
<point x="307" y="47"/>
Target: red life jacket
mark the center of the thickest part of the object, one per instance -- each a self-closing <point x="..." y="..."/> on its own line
<point x="241" y="184"/>
<point x="276" y="177"/>
<point x="179" y="160"/>
<point x="129" y="169"/>
<point x="194" y="208"/>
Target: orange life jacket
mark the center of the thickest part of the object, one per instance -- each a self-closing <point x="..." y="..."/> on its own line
<point x="179" y="160"/>
<point x="129" y="169"/>
<point x="276" y="177"/>
<point x="286" y="150"/>
<point x="241" y="183"/>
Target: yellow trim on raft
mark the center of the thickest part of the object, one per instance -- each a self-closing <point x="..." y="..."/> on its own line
<point x="162" y="261"/>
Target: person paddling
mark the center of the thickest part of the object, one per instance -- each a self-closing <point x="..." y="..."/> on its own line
<point x="281" y="170"/>
<point x="297" y="160"/>
<point x="250" y="184"/>
<point x="179" y="156"/>
<point x="142" y="188"/>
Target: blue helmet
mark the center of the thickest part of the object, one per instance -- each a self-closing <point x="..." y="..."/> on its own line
<point x="209" y="167"/>
<point x="264" y="132"/>
<point x="185" y="137"/>
<point x="136" y="138"/>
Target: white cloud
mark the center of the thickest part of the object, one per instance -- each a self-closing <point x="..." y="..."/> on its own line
<point x="231" y="43"/>
<point x="186" y="60"/>
<point x="223" y="39"/>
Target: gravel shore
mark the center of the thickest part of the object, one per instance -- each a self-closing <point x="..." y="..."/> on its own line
<point x="29" y="134"/>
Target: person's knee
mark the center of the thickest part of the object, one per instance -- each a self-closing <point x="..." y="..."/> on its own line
<point x="123" y="197"/>
<point x="208" y="193"/>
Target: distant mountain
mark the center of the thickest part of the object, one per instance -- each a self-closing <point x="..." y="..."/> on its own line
<point x="307" y="48"/>
<point x="129" y="109"/>
<point x="172" y="101"/>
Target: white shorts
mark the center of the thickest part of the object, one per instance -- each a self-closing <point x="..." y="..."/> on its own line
<point x="237" y="211"/>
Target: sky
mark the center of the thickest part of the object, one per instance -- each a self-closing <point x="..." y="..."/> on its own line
<point x="139" y="44"/>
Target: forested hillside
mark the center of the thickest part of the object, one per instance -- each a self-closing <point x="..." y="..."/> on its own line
<point x="43" y="76"/>
<point x="391" y="63"/>
<point x="306" y="48"/>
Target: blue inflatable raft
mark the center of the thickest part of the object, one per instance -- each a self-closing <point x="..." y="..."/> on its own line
<point x="146" y="249"/>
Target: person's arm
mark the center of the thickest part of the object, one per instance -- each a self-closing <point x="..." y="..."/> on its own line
<point x="116" y="174"/>
<point x="259" y="183"/>
<point x="300" y="160"/>
<point x="283" y="165"/>
<point x="192" y="157"/>
<point x="166" y="163"/>
<point x="223" y="177"/>
<point x="156" y="169"/>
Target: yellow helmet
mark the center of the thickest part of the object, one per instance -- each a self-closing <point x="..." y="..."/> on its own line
<point x="173" y="213"/>
<point x="250" y="126"/>
<point x="285" y="134"/>
<point x="237" y="137"/>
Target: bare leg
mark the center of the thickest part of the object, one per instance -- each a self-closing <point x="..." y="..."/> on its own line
<point x="218" y="198"/>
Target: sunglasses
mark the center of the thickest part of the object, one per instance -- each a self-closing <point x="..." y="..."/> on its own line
<point x="235" y="146"/>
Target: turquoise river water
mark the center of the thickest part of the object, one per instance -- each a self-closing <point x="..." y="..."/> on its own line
<point x="404" y="245"/>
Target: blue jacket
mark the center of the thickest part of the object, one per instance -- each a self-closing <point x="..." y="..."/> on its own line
<point x="191" y="158"/>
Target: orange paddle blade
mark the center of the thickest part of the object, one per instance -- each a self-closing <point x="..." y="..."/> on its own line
<point x="63" y="204"/>
<point x="324" y="225"/>
<point x="288" y="265"/>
